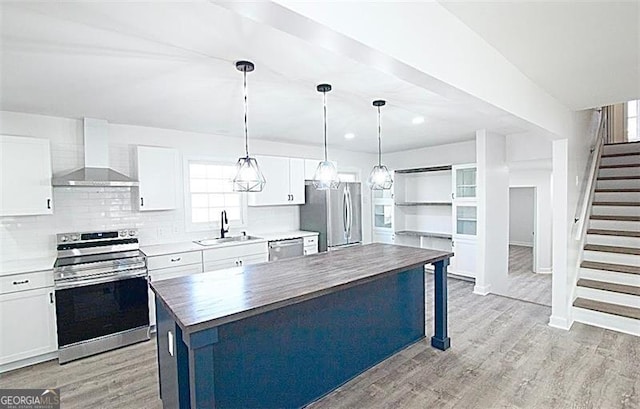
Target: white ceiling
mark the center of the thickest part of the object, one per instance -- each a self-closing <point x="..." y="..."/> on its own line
<point x="171" y="65"/>
<point x="584" y="53"/>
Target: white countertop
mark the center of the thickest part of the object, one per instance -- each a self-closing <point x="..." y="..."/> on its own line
<point x="9" y="267"/>
<point x="185" y="246"/>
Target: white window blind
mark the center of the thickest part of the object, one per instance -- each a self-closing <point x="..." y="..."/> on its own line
<point x="211" y="192"/>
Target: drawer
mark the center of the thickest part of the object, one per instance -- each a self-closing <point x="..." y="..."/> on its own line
<point x="311" y="241"/>
<point x="174" y="260"/>
<point x="235" y="251"/>
<point x="26" y="281"/>
<point x="174" y="272"/>
<point x="214" y="265"/>
<point x="308" y="250"/>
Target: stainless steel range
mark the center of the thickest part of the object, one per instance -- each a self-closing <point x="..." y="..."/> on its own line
<point x="101" y="292"/>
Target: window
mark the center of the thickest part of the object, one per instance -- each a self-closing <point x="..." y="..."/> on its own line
<point x="210" y="191"/>
<point x="633" y="130"/>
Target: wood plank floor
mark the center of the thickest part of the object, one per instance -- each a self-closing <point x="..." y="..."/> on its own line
<point x="503" y="355"/>
<point x="523" y="283"/>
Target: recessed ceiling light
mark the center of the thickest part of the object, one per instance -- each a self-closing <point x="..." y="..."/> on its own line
<point x="417" y="120"/>
<point x="349" y="135"/>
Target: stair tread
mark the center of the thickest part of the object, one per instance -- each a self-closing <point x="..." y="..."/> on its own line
<point x="622" y="165"/>
<point x="618" y="268"/>
<point x="621" y="143"/>
<point x="615" y="217"/>
<point x="613" y="287"/>
<point x="608" y="308"/>
<point x="624" y="233"/>
<point x="616" y="203"/>
<point x="615" y="155"/>
<point x="618" y="177"/>
<point x="613" y="249"/>
<point x="618" y="190"/>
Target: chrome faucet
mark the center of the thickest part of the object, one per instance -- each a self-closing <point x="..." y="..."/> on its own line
<point x="223" y="222"/>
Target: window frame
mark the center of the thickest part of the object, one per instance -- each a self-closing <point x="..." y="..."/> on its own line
<point x="190" y="226"/>
<point x="636" y="137"/>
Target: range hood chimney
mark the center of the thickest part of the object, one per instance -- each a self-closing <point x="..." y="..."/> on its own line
<point x="96" y="171"/>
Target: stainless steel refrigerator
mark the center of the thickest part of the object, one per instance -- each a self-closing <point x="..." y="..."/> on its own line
<point x="335" y="214"/>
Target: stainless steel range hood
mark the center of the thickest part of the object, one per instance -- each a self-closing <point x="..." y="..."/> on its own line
<point x="96" y="172"/>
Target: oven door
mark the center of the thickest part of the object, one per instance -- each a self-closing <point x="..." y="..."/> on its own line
<point x="104" y="307"/>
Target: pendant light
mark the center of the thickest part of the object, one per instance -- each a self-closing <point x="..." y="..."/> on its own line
<point x="248" y="177"/>
<point x="326" y="176"/>
<point x="380" y="178"/>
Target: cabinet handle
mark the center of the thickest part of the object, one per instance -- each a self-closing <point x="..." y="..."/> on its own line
<point x="452" y="195"/>
<point x="175" y="260"/>
<point x="237" y="263"/>
<point x="453" y="244"/>
<point x="141" y="201"/>
<point x="240" y="261"/>
<point x="292" y="198"/>
<point x="51" y="297"/>
<point x="20" y="282"/>
<point x="48" y="203"/>
<point x="305" y="252"/>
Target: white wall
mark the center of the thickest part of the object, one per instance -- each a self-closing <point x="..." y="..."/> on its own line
<point x="521" y="216"/>
<point x="449" y="154"/>
<point x="493" y="213"/>
<point x="81" y="209"/>
<point x="570" y="157"/>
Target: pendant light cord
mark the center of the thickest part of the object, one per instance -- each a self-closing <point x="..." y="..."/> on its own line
<point x="379" y="141"/>
<point x="324" y="102"/>
<point x="246" y="129"/>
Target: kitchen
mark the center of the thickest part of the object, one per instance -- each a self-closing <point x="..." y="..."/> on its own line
<point x="224" y="151"/>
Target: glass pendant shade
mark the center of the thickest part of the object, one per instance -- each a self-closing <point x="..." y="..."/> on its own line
<point x="326" y="176"/>
<point x="380" y="178"/>
<point x="248" y="178"/>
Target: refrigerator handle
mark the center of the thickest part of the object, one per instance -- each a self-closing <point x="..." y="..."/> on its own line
<point x="345" y="212"/>
<point x="350" y="210"/>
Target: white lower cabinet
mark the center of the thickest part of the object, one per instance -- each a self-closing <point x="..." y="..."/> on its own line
<point x="28" y="324"/>
<point x="310" y="245"/>
<point x="168" y="266"/>
<point x="235" y="256"/>
<point x="464" y="261"/>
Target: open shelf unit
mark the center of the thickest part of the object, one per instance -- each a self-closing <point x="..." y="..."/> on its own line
<point x="435" y="207"/>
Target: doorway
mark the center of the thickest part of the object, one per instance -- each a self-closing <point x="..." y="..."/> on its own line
<point x="524" y="282"/>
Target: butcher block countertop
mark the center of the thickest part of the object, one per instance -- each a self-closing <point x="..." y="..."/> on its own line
<point x="210" y="299"/>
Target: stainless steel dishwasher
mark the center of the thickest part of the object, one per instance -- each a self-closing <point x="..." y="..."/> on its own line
<point x="281" y="249"/>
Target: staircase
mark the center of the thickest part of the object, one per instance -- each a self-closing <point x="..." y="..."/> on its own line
<point x="608" y="288"/>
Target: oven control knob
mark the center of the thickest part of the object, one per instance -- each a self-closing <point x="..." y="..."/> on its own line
<point x="132" y="232"/>
<point x="74" y="237"/>
<point x="64" y="238"/>
<point x="123" y="233"/>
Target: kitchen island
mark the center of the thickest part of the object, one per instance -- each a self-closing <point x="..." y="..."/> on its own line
<point x="285" y="333"/>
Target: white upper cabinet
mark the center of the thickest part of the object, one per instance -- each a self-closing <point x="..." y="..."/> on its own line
<point x="464" y="182"/>
<point x="285" y="182"/>
<point x="158" y="176"/>
<point x="26" y="176"/>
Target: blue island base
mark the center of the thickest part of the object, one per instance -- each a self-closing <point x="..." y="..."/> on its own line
<point x="289" y="357"/>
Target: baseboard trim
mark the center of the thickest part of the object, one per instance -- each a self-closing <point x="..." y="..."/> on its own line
<point x="28" y="361"/>
<point x="544" y="270"/>
<point x="520" y="243"/>
<point x="560" y="322"/>
<point x="482" y="290"/>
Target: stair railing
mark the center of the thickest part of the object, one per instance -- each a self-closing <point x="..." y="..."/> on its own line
<point x="589" y="181"/>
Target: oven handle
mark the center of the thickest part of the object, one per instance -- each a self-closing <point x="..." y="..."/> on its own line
<point x="62" y="285"/>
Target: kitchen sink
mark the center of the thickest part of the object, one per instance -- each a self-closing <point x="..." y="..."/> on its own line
<point x="233" y="239"/>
